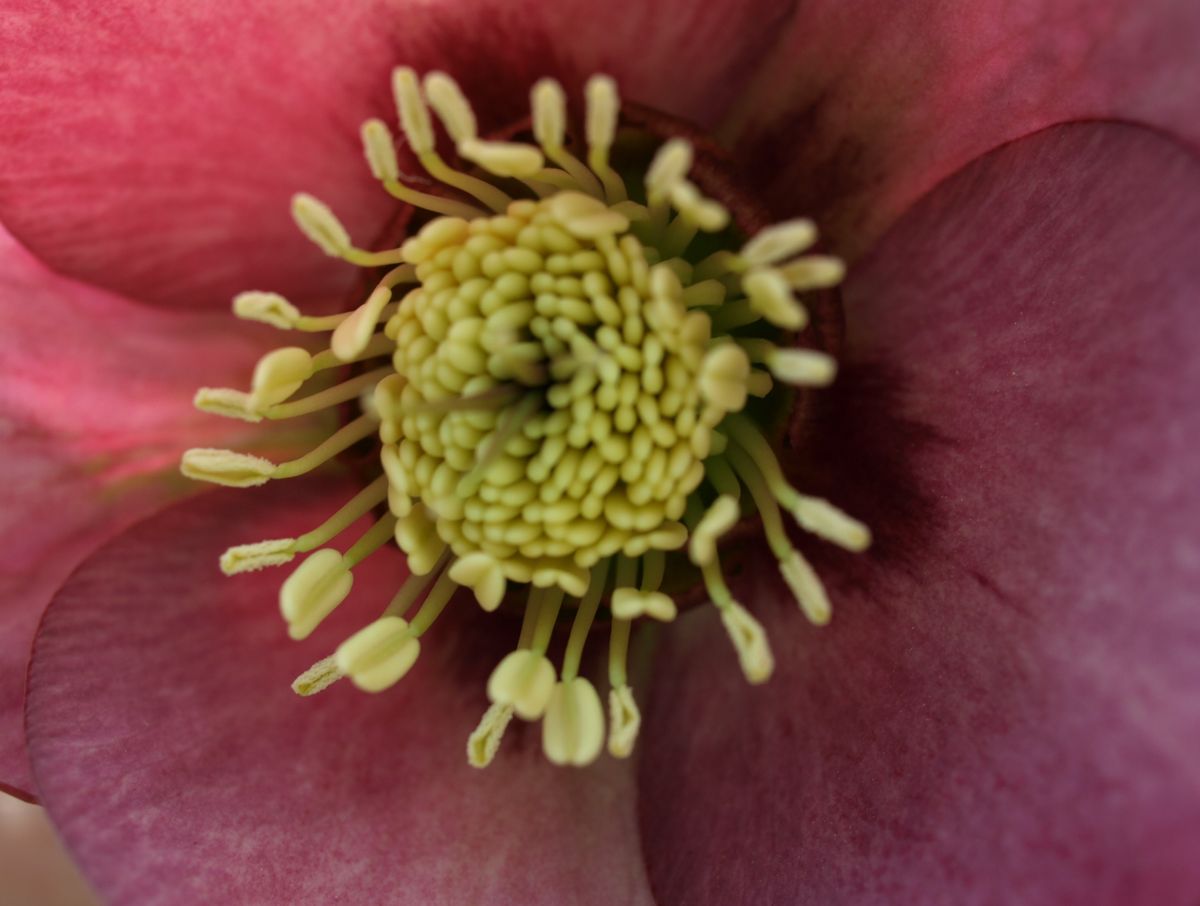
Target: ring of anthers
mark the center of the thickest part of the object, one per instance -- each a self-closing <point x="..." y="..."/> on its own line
<point x="559" y="386"/>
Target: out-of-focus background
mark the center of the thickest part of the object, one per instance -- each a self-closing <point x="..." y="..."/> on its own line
<point x="34" y="868"/>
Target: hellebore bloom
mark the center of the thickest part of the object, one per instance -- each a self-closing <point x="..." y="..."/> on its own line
<point x="1004" y="707"/>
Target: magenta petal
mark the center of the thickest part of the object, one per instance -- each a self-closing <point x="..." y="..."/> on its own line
<point x="864" y="107"/>
<point x="1004" y="708"/>
<point x="152" y="148"/>
<point x="180" y="768"/>
<point x="95" y="409"/>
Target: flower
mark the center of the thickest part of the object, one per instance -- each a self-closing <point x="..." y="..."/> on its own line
<point x="1003" y="702"/>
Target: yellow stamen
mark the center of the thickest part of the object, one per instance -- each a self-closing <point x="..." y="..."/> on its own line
<point x="559" y="375"/>
<point x="313" y="591"/>
<point x="603" y="112"/>
<point x="549" y="104"/>
<point x="317" y="678"/>
<point x="624" y="721"/>
<point x="379" y="655"/>
<point x="414" y="118"/>
<point x="484" y="741"/>
<point x="573" y="728"/>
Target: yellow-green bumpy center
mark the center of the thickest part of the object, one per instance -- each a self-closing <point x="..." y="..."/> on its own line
<point x="559" y="384"/>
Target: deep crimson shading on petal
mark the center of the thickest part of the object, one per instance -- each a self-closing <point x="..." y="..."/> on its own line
<point x="95" y="409"/>
<point x="180" y="768"/>
<point x="864" y="107"/>
<point x="152" y="147"/>
<point x="1006" y="711"/>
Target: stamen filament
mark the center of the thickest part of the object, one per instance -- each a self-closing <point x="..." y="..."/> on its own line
<point x="529" y="621"/>
<point x="435" y="203"/>
<point x="363" y="258"/>
<point x="413" y="587"/>
<point x="379" y="345"/>
<point x="734" y="314"/>
<point x="654" y="566"/>
<point x="359" y="429"/>
<point x="433" y="605"/>
<point x="583" y="621"/>
<point x="547" y="617"/>
<point x="618" y="653"/>
<point x="353" y="510"/>
<point x="721" y="477"/>
<point x="812" y="513"/>
<point x="372" y="540"/>
<point x="330" y="396"/>
<point x="603" y="112"/>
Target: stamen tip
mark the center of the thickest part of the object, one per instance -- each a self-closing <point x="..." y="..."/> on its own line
<point x="266" y="308"/>
<point x="225" y="467"/>
<point x="247" y="558"/>
<point x="379" y="655"/>
<point x="317" y="678"/>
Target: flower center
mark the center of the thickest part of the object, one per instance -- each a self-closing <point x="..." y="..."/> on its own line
<point x="566" y="417"/>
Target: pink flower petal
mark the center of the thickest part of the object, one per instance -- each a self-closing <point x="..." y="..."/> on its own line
<point x="178" y="765"/>
<point x="152" y="148"/>
<point x="1004" y="708"/>
<point x="95" y="408"/>
<point x="864" y="108"/>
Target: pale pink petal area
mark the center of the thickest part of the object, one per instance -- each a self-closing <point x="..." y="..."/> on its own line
<point x="95" y="409"/>
<point x="179" y="767"/>
<point x="865" y="106"/>
<point x="35" y="869"/>
<point x="1004" y="707"/>
<point x="152" y="148"/>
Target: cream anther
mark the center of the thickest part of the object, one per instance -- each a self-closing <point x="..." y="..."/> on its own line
<point x="278" y="375"/>
<point x="771" y="296"/>
<point x="802" y="367"/>
<point x="822" y="518"/>
<point x="313" y="590"/>
<point x="573" y="728"/>
<point x="624" y="721"/>
<point x="780" y="241"/>
<point x="483" y="575"/>
<point x="484" y="741"/>
<point x="247" y="558"/>
<point x="524" y="680"/>
<point x="723" y="376"/>
<point x="353" y="334"/>
<point x="750" y="641"/>
<point x="379" y="655"/>
<point x="549" y="105"/>
<point x="586" y="217"/>
<point x="630" y="603"/>
<point x="317" y="678"/>
<point x="320" y="225"/>
<point x="603" y="109"/>
<point x="669" y="167"/>
<point x="719" y="519"/>
<point x="266" y="308"/>
<point x="708" y="215"/>
<point x="414" y="115"/>
<point x="806" y="587"/>
<point x="452" y="108"/>
<point x="503" y="158"/>
<point x="380" y="150"/>
<point x="814" y="272"/>
<point x="226" y="402"/>
<point x="225" y="467"/>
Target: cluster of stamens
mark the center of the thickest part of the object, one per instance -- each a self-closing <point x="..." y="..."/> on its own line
<point x="563" y="416"/>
